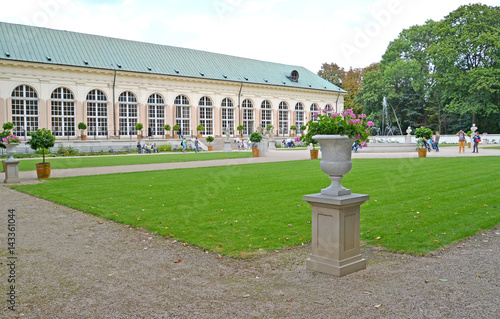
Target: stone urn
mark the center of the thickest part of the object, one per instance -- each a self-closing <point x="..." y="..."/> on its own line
<point x="11" y="150"/>
<point x="335" y="161"/>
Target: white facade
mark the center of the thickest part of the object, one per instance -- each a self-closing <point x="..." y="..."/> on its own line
<point x="39" y="95"/>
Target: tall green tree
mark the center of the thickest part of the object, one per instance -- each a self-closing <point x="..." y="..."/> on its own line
<point x="467" y="57"/>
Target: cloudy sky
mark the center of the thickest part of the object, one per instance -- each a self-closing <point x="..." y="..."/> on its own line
<point x="306" y="33"/>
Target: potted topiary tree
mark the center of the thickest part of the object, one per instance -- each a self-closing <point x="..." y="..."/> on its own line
<point x="176" y="130"/>
<point x="255" y="138"/>
<point x="82" y="126"/>
<point x="240" y="128"/>
<point x="167" y="131"/>
<point x="200" y="128"/>
<point x="7" y="127"/>
<point x="42" y="139"/>
<point x="307" y="139"/>
<point x="269" y="129"/>
<point x="209" y="139"/>
<point x="303" y="129"/>
<point x="423" y="135"/>
<point x="138" y="128"/>
<point x="469" y="134"/>
<point x="294" y="129"/>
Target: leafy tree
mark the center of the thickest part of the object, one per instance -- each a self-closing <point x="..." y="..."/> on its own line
<point x="467" y="59"/>
<point x="332" y="73"/>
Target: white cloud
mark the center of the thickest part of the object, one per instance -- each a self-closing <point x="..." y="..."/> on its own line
<point x="295" y="32"/>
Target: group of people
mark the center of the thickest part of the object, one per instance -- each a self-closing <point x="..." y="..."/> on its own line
<point x="433" y="143"/>
<point x="462" y="139"/>
<point x="146" y="148"/>
<point x="288" y="143"/>
<point x="243" y="144"/>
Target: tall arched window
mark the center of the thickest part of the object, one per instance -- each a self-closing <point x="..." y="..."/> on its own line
<point x="227" y="116"/>
<point x="283" y="118"/>
<point x="329" y="109"/>
<point x="248" y="116"/>
<point x="156" y="114"/>
<point x="299" y="117"/>
<point x="183" y="114"/>
<point x="63" y="112"/>
<point x="206" y="115"/>
<point x="314" y="112"/>
<point x="97" y="113"/>
<point x="127" y="113"/>
<point x="24" y="110"/>
<point x="267" y="114"/>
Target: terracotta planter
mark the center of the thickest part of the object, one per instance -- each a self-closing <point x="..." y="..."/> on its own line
<point x="314" y="154"/>
<point x="335" y="161"/>
<point x="255" y="152"/>
<point x="422" y="152"/>
<point x="84" y="137"/>
<point x="293" y="134"/>
<point x="3" y="165"/>
<point x="199" y="136"/>
<point x="468" y="144"/>
<point x="176" y="136"/>
<point x="167" y="136"/>
<point x="43" y="170"/>
<point x="139" y="136"/>
<point x="210" y="147"/>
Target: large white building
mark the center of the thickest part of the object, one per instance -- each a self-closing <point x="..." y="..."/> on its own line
<point x="55" y="79"/>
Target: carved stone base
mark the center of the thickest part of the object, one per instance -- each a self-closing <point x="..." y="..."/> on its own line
<point x="12" y="172"/>
<point x="335" y="234"/>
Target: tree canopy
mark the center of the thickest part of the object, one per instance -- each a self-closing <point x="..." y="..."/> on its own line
<point x="444" y="74"/>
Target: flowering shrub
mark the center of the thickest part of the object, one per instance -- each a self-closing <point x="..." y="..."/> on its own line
<point x="347" y="123"/>
<point x="11" y="139"/>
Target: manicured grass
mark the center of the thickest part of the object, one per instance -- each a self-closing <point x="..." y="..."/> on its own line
<point x="417" y="205"/>
<point x="115" y="160"/>
<point x="492" y="147"/>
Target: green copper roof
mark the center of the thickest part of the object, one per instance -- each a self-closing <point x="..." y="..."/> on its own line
<point x="41" y="45"/>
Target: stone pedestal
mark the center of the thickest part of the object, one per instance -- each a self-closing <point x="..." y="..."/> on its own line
<point x="335" y="234"/>
<point x="227" y="146"/>
<point x="263" y="147"/>
<point x="408" y="139"/>
<point x="272" y="146"/>
<point x="12" y="171"/>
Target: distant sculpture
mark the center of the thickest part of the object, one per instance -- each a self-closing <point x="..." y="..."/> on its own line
<point x="473" y="129"/>
<point x="409" y="130"/>
<point x="260" y="129"/>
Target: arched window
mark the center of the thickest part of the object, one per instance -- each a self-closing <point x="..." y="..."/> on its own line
<point x="267" y="114"/>
<point x="24" y="110"/>
<point x="314" y="112"/>
<point x="283" y="118"/>
<point x="299" y="117"/>
<point x="206" y="115"/>
<point x="97" y="113"/>
<point x="227" y="116"/>
<point x="183" y="114"/>
<point x="127" y="113"/>
<point x="63" y="112"/>
<point x="328" y="109"/>
<point x="156" y="114"/>
<point x="248" y="116"/>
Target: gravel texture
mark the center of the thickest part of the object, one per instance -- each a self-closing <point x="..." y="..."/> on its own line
<point x="74" y="265"/>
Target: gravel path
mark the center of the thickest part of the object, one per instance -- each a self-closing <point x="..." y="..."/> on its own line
<point x="74" y="265"/>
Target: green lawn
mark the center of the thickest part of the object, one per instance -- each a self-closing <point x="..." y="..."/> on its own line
<point x="492" y="147"/>
<point x="417" y="205"/>
<point x="115" y="160"/>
